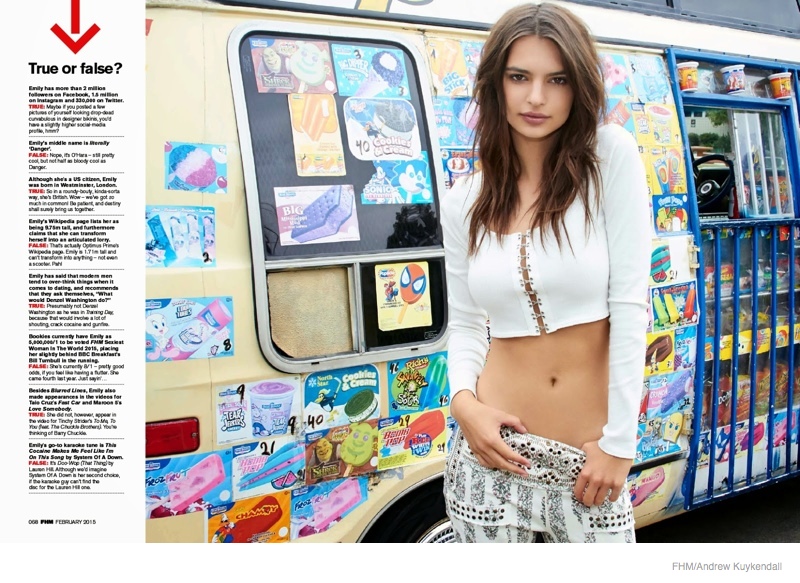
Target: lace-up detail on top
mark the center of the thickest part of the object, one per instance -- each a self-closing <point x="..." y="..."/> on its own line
<point x="527" y="284"/>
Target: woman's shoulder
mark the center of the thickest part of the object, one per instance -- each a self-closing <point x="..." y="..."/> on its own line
<point x="457" y="201"/>
<point x="612" y="138"/>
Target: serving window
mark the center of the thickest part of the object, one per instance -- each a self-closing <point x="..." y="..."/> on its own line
<point x="342" y="182"/>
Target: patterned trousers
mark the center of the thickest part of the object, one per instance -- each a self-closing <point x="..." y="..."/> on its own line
<point x="487" y="505"/>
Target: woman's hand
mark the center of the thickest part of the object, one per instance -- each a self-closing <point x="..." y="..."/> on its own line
<point x="480" y="425"/>
<point x="602" y="473"/>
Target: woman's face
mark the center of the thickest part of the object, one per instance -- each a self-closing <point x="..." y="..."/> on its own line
<point x="537" y="91"/>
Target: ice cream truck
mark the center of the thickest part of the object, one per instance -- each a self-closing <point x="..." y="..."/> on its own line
<point x="296" y="297"/>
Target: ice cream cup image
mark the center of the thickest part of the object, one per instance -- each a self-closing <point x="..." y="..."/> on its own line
<point x="271" y="407"/>
<point x="781" y="85"/>
<point x="733" y="78"/>
<point x="661" y="119"/>
<point x="687" y="75"/>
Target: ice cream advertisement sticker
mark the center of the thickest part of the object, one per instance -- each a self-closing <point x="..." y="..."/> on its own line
<point x="337" y="397"/>
<point x="266" y="466"/>
<point x="316" y="214"/>
<point x="381" y="129"/>
<point x="412" y="438"/>
<point x="419" y="383"/>
<point x="404" y="299"/>
<point x="196" y="167"/>
<point x="318" y="149"/>
<point x="187" y="484"/>
<point x="180" y="237"/>
<point x="455" y="121"/>
<point x="340" y="452"/>
<point x="448" y="66"/>
<point x="674" y="305"/>
<point x="179" y="329"/>
<point x="316" y="508"/>
<point x="370" y="72"/>
<point x="399" y="182"/>
<point x="458" y="163"/>
<point x="292" y="66"/>
<point x="259" y="409"/>
<point x="264" y="519"/>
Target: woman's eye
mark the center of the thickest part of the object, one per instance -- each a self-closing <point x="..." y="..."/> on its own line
<point x="559" y="80"/>
<point x="517" y="77"/>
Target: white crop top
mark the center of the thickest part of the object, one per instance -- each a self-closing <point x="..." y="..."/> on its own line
<point x="522" y="287"/>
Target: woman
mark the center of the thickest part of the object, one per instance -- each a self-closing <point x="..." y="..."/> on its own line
<point x="551" y="242"/>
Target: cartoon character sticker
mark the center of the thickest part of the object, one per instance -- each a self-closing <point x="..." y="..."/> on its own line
<point x="179" y="329"/>
<point x="363" y="71"/>
<point x="337" y="397"/>
<point x="472" y="58"/>
<point x="340" y="452"/>
<point x="404" y="299"/>
<point x="267" y="466"/>
<point x="418" y="384"/>
<point x="616" y="75"/>
<point x="263" y="519"/>
<point x="412" y="438"/>
<point x="382" y="129"/>
<point x="196" y="167"/>
<point x="186" y="484"/>
<point x="406" y="182"/>
<point x="292" y="66"/>
<point x="180" y="236"/>
<point x="650" y="80"/>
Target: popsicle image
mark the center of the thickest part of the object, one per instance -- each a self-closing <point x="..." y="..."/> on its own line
<point x="688" y="309"/>
<point x="437" y="384"/>
<point x="430" y="423"/>
<point x="282" y="459"/>
<point x="758" y="435"/>
<point x="340" y="500"/>
<point x="672" y="310"/>
<point x="199" y="480"/>
<point x="660" y="263"/>
<point x="358" y="447"/>
<point x="412" y="287"/>
<point x="318" y="114"/>
<point x="650" y="484"/>
<point x="662" y="318"/>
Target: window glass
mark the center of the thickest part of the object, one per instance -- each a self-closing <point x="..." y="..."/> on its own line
<point x="778" y="14"/>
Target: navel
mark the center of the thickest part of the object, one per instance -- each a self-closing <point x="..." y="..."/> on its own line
<point x="552" y="381"/>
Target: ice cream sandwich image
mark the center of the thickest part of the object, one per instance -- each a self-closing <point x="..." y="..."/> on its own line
<point x="316" y="214"/>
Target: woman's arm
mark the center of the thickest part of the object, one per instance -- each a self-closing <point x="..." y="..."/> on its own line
<point x="626" y="209"/>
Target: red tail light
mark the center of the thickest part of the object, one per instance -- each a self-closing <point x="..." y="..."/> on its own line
<point x="172" y="437"/>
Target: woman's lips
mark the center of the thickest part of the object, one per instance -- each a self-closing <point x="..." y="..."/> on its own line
<point x="535" y="118"/>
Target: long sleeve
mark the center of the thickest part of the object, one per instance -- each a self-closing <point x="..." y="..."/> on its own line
<point x="467" y="344"/>
<point x="627" y="218"/>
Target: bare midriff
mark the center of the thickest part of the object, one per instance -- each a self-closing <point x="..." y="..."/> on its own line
<point x="556" y="383"/>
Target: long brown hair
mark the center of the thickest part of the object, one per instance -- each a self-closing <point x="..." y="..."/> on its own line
<point x="572" y="165"/>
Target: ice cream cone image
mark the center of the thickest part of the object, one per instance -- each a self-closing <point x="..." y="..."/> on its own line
<point x="386" y="72"/>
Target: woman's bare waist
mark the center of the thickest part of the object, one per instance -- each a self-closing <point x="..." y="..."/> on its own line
<point x="557" y="384"/>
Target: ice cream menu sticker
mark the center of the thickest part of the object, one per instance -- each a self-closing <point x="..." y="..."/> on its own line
<point x="258" y="409"/>
<point x="318" y="507"/>
<point x="317" y="142"/>
<point x="419" y="383"/>
<point x="404" y="299"/>
<point x="264" y="519"/>
<point x="409" y="439"/>
<point x="455" y="121"/>
<point x="292" y="66"/>
<point x="370" y="72"/>
<point x="340" y="452"/>
<point x="196" y="167"/>
<point x="267" y="466"/>
<point x="316" y="214"/>
<point x="179" y="329"/>
<point x="382" y="129"/>
<point x="347" y="395"/>
<point x="399" y="182"/>
<point x="180" y="237"/>
<point x="187" y="484"/>
<point x="448" y="66"/>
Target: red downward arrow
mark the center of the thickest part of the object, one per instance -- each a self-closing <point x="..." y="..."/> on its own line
<point x="75" y="28"/>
